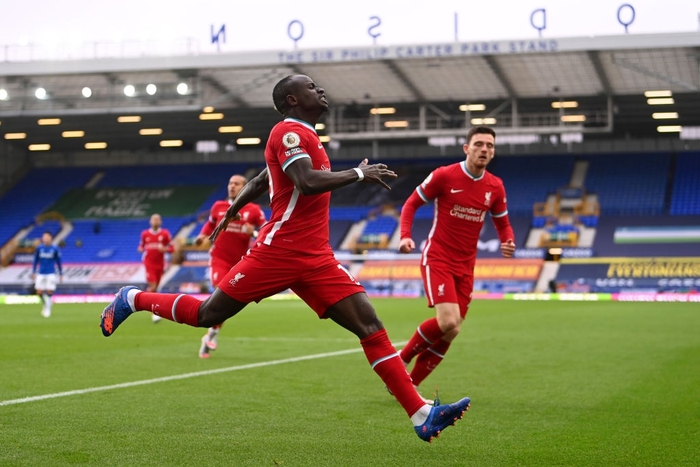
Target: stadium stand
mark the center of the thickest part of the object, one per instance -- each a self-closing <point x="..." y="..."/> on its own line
<point x="377" y="232"/>
<point x="52" y="226"/>
<point x="112" y="241"/>
<point x="163" y="175"/>
<point x="630" y="187"/>
<point x="529" y="179"/>
<point x="629" y="184"/>
<point x="30" y="196"/>
<point x="685" y="199"/>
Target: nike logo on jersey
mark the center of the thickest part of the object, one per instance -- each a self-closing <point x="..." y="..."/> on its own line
<point x="320" y="146"/>
<point x="455" y="191"/>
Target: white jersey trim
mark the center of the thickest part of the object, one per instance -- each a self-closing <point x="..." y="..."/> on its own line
<point x="270" y="186"/>
<point x="293" y="159"/>
<point x="422" y="195"/>
<point x="504" y="213"/>
<point x="429" y="241"/>
<point x="463" y="164"/>
<point x="285" y="217"/>
<point x="429" y="287"/>
<point x="301" y="122"/>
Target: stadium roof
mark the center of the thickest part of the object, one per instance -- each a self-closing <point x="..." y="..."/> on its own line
<point x="607" y="79"/>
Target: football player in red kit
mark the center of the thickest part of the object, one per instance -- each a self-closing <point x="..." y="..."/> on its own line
<point x="293" y="251"/>
<point x="462" y="194"/>
<point x="230" y="245"/>
<point x="154" y="243"/>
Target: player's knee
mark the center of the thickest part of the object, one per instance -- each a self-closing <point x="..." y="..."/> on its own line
<point x="205" y="320"/>
<point x="215" y="311"/>
<point x="208" y="315"/>
<point x="450" y="324"/>
<point x="369" y="328"/>
<point x="449" y="336"/>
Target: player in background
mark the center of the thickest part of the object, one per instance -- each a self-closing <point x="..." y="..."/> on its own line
<point x="154" y="243"/>
<point x="293" y="251"/>
<point x="47" y="262"/>
<point x="462" y="194"/>
<point x="230" y="245"/>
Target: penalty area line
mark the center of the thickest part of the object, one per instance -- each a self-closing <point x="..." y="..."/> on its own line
<point x="164" y="379"/>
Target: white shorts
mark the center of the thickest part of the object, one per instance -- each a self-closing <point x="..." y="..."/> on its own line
<point x="46" y="282"/>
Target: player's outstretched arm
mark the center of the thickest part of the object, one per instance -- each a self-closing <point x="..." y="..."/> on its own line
<point x="250" y="192"/>
<point x="375" y="173"/>
<point x="312" y="182"/>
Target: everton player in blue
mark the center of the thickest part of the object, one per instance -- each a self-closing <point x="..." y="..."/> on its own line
<point x="47" y="263"/>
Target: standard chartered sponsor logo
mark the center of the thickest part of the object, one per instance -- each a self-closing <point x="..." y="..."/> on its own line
<point x="468" y="214"/>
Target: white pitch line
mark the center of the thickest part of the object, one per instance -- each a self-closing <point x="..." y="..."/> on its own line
<point x="164" y="379"/>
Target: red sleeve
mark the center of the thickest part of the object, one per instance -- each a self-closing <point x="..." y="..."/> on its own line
<point x="141" y="242"/>
<point x="207" y="228"/>
<point x="499" y="215"/>
<point x="505" y="231"/>
<point x="408" y="212"/>
<point x="168" y="241"/>
<point x="210" y="224"/>
<point x="291" y="146"/>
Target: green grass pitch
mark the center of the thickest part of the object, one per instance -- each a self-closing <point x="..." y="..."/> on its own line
<point x="552" y="383"/>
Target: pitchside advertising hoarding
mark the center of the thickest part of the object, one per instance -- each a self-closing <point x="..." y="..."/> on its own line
<point x="400" y="277"/>
<point x="74" y="29"/>
<point x="609" y="275"/>
<point x="76" y="275"/>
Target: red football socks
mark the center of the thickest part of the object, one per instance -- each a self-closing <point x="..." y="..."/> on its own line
<point x="427" y="333"/>
<point x="382" y="355"/>
<point x="180" y="308"/>
<point x="427" y="361"/>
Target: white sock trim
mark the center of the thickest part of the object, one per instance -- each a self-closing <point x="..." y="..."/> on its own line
<point x="423" y="336"/>
<point x="436" y="353"/>
<point x="384" y="359"/>
<point x="175" y="306"/>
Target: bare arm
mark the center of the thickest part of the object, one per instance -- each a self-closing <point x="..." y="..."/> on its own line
<point x="311" y="182"/>
<point x="250" y="192"/>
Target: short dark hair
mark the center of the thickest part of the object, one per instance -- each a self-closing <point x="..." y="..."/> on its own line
<point x="47" y="232"/>
<point x="480" y="130"/>
<point x="280" y="93"/>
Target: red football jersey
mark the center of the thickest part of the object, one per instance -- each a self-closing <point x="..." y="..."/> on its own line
<point x="232" y="244"/>
<point x="150" y="241"/>
<point x="461" y="202"/>
<point x="297" y="222"/>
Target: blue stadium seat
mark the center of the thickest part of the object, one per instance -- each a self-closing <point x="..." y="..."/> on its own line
<point x="685" y="197"/>
<point x="110" y="240"/>
<point x="628" y="184"/>
<point x="529" y="179"/>
<point x="539" y="222"/>
<point x="36" y="192"/>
